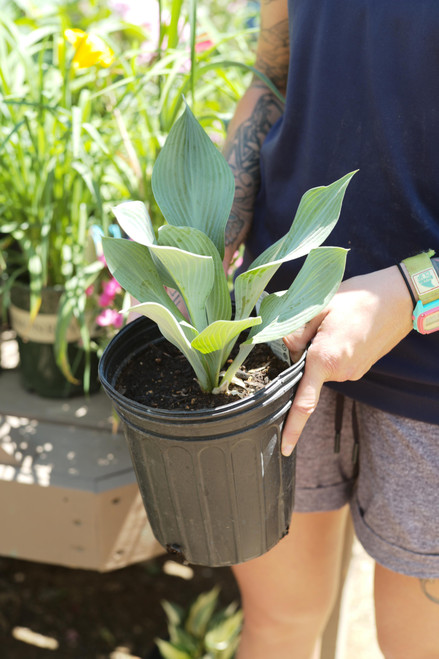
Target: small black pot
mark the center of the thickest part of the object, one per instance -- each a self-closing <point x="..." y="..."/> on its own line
<point x="215" y="486"/>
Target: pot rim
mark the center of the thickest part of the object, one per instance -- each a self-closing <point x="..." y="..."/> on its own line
<point x="292" y="373"/>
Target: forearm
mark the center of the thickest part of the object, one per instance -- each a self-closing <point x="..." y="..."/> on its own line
<point x="256" y="113"/>
<point x="258" y="110"/>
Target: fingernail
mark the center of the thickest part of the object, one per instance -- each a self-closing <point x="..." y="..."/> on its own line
<point x="287" y="450"/>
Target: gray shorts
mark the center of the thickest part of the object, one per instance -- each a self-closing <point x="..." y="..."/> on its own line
<point x="393" y="490"/>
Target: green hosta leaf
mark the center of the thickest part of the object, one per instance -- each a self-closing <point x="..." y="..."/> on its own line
<point x="192" y="182"/>
<point x="218" y="304"/>
<point x="223" y="635"/>
<point x="318" y="212"/>
<point x="134" y="219"/>
<point x="217" y="335"/>
<point x="316" y="216"/>
<point x="314" y="286"/>
<point x="65" y="315"/>
<point x="177" y="334"/>
<point x="132" y="265"/>
<point x="249" y="286"/>
<point x="201" y="612"/>
<point x="194" y="277"/>
<point x="169" y="651"/>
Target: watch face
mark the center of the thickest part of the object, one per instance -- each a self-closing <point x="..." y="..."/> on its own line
<point x="429" y="321"/>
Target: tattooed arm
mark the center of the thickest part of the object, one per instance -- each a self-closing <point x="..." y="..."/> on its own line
<point x="257" y="111"/>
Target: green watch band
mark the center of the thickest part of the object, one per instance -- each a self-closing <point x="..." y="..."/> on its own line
<point x="424" y="276"/>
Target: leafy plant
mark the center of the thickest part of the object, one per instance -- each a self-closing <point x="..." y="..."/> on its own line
<point x="201" y="632"/>
<point x="194" y="187"/>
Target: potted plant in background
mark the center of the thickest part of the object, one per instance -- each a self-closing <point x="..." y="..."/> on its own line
<point x="53" y="169"/>
<point x="75" y="135"/>
<point x="214" y="483"/>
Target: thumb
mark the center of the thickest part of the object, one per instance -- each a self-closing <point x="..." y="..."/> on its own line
<point x="304" y="403"/>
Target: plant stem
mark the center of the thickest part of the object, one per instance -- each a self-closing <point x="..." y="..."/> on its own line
<point x="244" y="351"/>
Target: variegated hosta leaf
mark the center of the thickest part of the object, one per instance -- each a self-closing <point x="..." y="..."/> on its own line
<point x="193" y="275"/>
<point x="201" y="611"/>
<point x="222" y="635"/>
<point x="249" y="286"/>
<point x="318" y="212"/>
<point x="133" y="218"/>
<point x="217" y="335"/>
<point x="316" y="216"/>
<point x="192" y="182"/>
<point x="175" y="334"/>
<point x="132" y="266"/>
<point x="313" y="288"/>
<point x="218" y="306"/>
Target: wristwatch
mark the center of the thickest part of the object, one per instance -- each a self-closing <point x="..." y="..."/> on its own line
<point x="426" y="283"/>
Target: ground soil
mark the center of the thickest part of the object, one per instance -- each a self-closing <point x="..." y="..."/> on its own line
<point x="168" y="381"/>
<point x="90" y="615"/>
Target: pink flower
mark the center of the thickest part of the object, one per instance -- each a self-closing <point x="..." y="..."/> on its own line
<point x="236" y="262"/>
<point x="110" y="290"/>
<point x="201" y="46"/>
<point x="89" y="291"/>
<point x="109" y="317"/>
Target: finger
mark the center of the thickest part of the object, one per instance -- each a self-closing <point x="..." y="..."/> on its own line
<point x="304" y="403"/>
<point x="297" y="341"/>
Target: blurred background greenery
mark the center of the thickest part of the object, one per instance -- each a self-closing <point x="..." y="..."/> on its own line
<point x="88" y="92"/>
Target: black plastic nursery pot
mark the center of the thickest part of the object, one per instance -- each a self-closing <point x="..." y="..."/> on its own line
<point x="215" y="486"/>
<point x="39" y="372"/>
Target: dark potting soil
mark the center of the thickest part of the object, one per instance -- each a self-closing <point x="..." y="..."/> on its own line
<point x="162" y="377"/>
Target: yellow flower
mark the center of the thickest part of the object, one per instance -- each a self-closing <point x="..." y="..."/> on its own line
<point x="89" y="49"/>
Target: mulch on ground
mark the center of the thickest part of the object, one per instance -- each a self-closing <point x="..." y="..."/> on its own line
<point x="90" y="615"/>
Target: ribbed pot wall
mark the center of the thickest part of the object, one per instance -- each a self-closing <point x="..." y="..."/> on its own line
<point x="214" y="483"/>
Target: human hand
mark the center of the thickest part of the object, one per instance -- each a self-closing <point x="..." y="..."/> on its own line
<point x="366" y="318"/>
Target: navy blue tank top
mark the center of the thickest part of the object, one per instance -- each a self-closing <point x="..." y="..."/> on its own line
<point x="363" y="93"/>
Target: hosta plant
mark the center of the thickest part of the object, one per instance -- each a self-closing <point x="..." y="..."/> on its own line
<point x="194" y="187"/>
<point x="202" y="632"/>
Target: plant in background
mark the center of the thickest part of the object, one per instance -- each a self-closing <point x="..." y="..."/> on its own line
<point x="88" y="92"/>
<point x="201" y="632"/>
<point x="54" y="167"/>
<point x="194" y="188"/>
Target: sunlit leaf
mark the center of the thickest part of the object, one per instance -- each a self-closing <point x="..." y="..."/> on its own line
<point x="192" y="182"/>
<point x="318" y="212"/>
<point x="132" y="266"/>
<point x="217" y="335"/>
<point x="193" y="275"/>
<point x="172" y="330"/>
<point x="218" y="305"/>
<point x="134" y="219"/>
<point x="313" y="288"/>
<point x="201" y="611"/>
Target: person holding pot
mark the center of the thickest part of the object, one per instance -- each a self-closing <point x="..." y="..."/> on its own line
<point x="359" y="85"/>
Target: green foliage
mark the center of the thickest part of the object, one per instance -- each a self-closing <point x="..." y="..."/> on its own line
<point x="201" y="632"/>
<point x="75" y="140"/>
<point x="193" y="187"/>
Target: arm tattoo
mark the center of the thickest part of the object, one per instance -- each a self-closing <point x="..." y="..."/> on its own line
<point x="243" y="157"/>
<point x="243" y="152"/>
<point x="426" y="586"/>
<point x="273" y="56"/>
